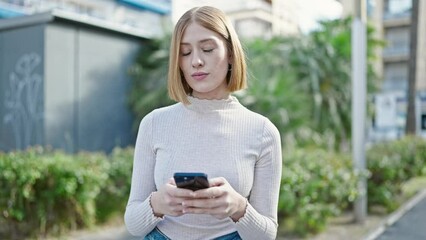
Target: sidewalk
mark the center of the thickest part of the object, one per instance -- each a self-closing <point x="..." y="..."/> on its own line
<point x="408" y="223"/>
<point x="110" y="233"/>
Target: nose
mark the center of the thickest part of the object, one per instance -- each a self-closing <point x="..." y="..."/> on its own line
<point x="197" y="60"/>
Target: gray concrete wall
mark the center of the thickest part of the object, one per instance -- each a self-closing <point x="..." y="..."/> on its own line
<point x="75" y="94"/>
<point x="87" y="85"/>
<point x="21" y="87"/>
<point x="60" y="87"/>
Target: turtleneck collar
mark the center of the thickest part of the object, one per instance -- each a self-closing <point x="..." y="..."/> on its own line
<point x="207" y="105"/>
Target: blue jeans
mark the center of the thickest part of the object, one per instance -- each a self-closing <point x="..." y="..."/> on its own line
<point x="158" y="235"/>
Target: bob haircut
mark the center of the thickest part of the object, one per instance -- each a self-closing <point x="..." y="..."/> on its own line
<point x="215" y="20"/>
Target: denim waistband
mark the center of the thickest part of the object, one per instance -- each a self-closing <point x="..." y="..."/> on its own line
<point x="231" y="236"/>
<point x="156" y="234"/>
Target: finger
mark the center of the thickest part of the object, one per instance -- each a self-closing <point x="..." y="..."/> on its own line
<point x="219" y="181"/>
<point x="178" y="208"/>
<point x="174" y="191"/>
<point x="195" y="210"/>
<point x="173" y="199"/>
<point x="177" y="211"/>
<point x="177" y="201"/>
<point x="212" y="192"/>
<point x="171" y="181"/>
<point x="201" y="203"/>
<point x="182" y="193"/>
<point x="210" y="211"/>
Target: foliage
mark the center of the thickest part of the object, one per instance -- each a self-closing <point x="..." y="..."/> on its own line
<point x="273" y="88"/>
<point x="315" y="186"/>
<point x="112" y="198"/>
<point x="45" y="191"/>
<point x="303" y="84"/>
<point x="391" y="164"/>
<point x="149" y="74"/>
<point x="323" y="62"/>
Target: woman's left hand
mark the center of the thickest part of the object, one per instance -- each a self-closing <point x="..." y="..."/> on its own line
<point x="220" y="201"/>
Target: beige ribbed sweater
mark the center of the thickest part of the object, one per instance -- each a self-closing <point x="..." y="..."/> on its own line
<point x="221" y="138"/>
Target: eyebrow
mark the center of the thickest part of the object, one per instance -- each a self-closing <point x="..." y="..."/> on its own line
<point x="201" y="41"/>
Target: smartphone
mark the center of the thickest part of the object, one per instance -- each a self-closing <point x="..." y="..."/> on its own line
<point x="191" y="180"/>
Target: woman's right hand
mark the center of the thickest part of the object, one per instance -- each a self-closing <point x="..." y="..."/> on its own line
<point x="168" y="199"/>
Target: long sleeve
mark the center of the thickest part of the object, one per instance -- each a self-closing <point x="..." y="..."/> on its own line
<point x="221" y="138"/>
<point x="139" y="217"/>
<point x="260" y="220"/>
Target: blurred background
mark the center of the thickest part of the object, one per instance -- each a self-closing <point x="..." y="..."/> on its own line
<point x="77" y="76"/>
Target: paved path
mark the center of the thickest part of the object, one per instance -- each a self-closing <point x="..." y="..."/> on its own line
<point x="111" y="233"/>
<point x="411" y="226"/>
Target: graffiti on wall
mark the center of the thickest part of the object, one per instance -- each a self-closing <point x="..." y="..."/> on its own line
<point x="24" y="102"/>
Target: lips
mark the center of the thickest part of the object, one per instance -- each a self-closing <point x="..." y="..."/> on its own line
<point x="199" y="75"/>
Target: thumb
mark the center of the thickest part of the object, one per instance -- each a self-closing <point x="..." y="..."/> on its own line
<point x="171" y="181"/>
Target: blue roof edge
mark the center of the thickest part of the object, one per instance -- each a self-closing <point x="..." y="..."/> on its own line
<point x="154" y="6"/>
<point x="8" y="13"/>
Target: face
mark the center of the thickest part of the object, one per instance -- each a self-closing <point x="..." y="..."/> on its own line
<point x="204" y="62"/>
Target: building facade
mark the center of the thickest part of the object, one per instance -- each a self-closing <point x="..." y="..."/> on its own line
<point x="392" y="22"/>
<point x="64" y="74"/>
<point x="123" y="15"/>
<point x="251" y="18"/>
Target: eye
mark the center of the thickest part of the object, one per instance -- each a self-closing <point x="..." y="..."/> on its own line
<point x="208" y="50"/>
<point x="185" y="53"/>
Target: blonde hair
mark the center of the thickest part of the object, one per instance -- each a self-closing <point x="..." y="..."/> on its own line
<point x="215" y="20"/>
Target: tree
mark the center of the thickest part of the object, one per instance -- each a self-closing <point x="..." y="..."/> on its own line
<point x="325" y="63"/>
<point x="149" y="79"/>
<point x="273" y="89"/>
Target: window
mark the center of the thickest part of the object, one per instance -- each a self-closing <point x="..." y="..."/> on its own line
<point x="397" y="6"/>
<point x="398" y="41"/>
<point x="396" y="77"/>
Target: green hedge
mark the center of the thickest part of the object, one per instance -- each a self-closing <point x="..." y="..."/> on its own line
<point x="45" y="192"/>
<point x="390" y="165"/>
<point x="113" y="197"/>
<point x="315" y="186"/>
<point x="49" y="192"/>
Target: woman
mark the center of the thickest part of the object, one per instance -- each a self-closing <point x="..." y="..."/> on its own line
<point x="209" y="131"/>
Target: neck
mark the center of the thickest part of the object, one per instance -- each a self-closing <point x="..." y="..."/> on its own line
<point x="212" y="105"/>
<point x="219" y="96"/>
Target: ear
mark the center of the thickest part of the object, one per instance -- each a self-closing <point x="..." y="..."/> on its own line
<point x="230" y="58"/>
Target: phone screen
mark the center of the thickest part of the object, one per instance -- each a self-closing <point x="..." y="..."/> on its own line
<point x="191" y="180"/>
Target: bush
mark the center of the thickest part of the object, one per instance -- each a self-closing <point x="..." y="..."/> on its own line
<point x="114" y="195"/>
<point x="391" y="164"/>
<point x="44" y="191"/>
<point x="315" y="186"/>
